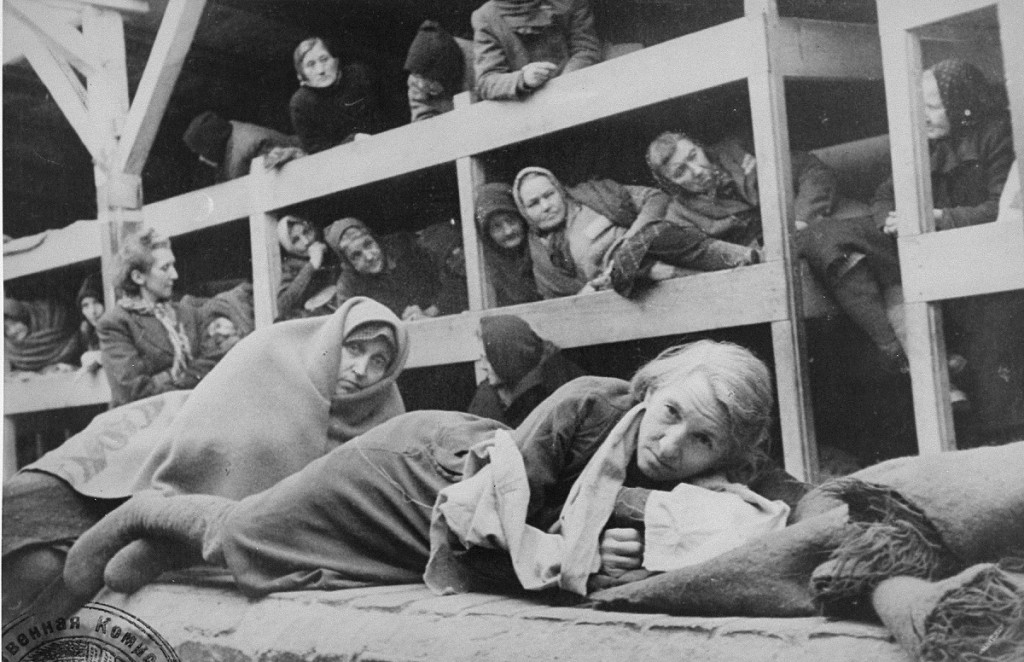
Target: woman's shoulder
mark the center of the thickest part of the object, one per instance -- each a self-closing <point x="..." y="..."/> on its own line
<point x="591" y="389"/>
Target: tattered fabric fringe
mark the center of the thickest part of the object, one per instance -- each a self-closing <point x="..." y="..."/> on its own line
<point x="887" y="537"/>
<point x="982" y="621"/>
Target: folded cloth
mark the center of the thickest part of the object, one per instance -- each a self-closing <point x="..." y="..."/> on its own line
<point x="767" y="576"/>
<point x="976" y="615"/>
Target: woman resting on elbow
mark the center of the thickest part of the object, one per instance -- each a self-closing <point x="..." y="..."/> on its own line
<point x="335" y="103"/>
<point x="698" y="412"/>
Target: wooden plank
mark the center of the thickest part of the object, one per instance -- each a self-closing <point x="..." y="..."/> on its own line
<point x="55" y="391"/>
<point x="104" y="31"/>
<point x="10" y="447"/>
<point x="714" y="300"/>
<point x="925" y="348"/>
<point x="133" y="6"/>
<point x="469" y="174"/>
<point x="178" y="27"/>
<point x="67" y="42"/>
<point x="929" y="378"/>
<point x="655" y="74"/>
<point x="810" y="48"/>
<point x="775" y="183"/>
<point x="910" y="14"/>
<point x="963" y="262"/>
<point x="266" y="253"/>
<point x="200" y="209"/>
<point x="60" y="81"/>
<point x="1011" y="22"/>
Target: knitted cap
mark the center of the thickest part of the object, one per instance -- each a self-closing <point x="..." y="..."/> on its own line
<point x="372" y="330"/>
<point x="511" y="346"/>
<point x="434" y="54"/>
<point x="964" y="91"/>
<point x="336" y="230"/>
<point x="491" y="198"/>
<point x="207" y="135"/>
<point x="91" y="287"/>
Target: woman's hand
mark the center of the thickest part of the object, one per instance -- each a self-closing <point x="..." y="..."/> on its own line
<point x="536" y="74"/>
<point x="892" y="224"/>
<point x="316" y="254"/>
<point x="621" y="550"/>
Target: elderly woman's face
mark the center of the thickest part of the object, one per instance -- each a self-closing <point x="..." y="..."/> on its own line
<point x="543" y="203"/>
<point x="319" y="68"/>
<point x="506" y="229"/>
<point x="689" y="168"/>
<point x="364" y="362"/>
<point x="678" y="438"/>
<point x="936" y="121"/>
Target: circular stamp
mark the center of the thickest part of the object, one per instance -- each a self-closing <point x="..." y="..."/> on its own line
<point x="95" y="633"/>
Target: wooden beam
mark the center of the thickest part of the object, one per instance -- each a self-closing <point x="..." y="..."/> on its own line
<point x="177" y="29"/>
<point x="56" y="391"/>
<point x="132" y="6"/>
<point x="810" y="48"/>
<point x="265" y="250"/>
<point x="964" y="262"/>
<point x="469" y="174"/>
<point x="912" y="14"/>
<point x="775" y="183"/>
<point x="1011" y="20"/>
<point x="929" y="378"/>
<point x="65" y="88"/>
<point x="58" y="36"/>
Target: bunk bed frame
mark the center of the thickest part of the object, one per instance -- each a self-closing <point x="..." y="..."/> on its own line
<point x="762" y="49"/>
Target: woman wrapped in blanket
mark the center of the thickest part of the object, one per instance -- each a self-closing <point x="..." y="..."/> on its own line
<point x="587" y="464"/>
<point x="282" y="397"/>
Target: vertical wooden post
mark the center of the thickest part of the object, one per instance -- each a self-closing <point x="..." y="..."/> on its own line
<point x="771" y="143"/>
<point x="266" y="254"/>
<point x="926" y="347"/>
<point x="1011" y="38"/>
<point x="10" y="447"/>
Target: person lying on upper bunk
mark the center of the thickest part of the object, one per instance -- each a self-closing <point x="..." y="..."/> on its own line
<point x="150" y="344"/>
<point x="522" y="370"/>
<point x="90" y="302"/>
<point x="227" y="318"/>
<point x="393" y="270"/>
<point x="971" y="152"/>
<point x="519" y="45"/>
<point x="335" y="103"/>
<point x="506" y="251"/>
<point x="229" y="146"/>
<point x="603" y="478"/>
<point x="307" y="274"/>
<point x="577" y="235"/>
<point x="440" y="66"/>
<point x="443" y="243"/>
<point x="40" y="336"/>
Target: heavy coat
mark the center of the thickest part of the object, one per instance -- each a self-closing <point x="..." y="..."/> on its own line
<point x="246" y="142"/>
<point x="331" y="116"/>
<point x="138" y="355"/>
<point x="500" y="53"/>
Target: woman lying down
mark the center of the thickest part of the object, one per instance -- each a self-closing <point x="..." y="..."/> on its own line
<point x="605" y="477"/>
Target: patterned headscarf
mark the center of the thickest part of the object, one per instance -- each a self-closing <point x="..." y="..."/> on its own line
<point x="965" y="93"/>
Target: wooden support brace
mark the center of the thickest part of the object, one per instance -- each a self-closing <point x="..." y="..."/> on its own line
<point x="178" y="27"/>
<point x="58" y="35"/>
<point x="266" y="253"/>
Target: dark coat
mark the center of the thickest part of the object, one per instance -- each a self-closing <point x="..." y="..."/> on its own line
<point x="299" y="282"/>
<point x="500" y="53"/>
<point x="246" y="142"/>
<point x="138" y="355"/>
<point x="325" y="117"/>
<point x="409" y="277"/>
<point x="553" y="371"/>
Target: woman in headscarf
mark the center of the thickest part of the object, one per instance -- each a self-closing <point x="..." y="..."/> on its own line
<point x="971" y="151"/>
<point x="335" y="103"/>
<point x="522" y="370"/>
<point x="150" y="344"/>
<point x="521" y="44"/>
<point x="39" y="334"/>
<point x="506" y="254"/>
<point x="393" y="270"/>
<point x="284" y="396"/>
<point x="305" y="272"/>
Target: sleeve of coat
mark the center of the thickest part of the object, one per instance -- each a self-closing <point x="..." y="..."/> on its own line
<point x="313" y="136"/>
<point x="494" y="76"/>
<point x="883" y="202"/>
<point x="652" y="204"/>
<point x="584" y="44"/>
<point x="124" y="366"/>
<point x="996" y="157"/>
<point x="816" y="188"/>
<point x="291" y="291"/>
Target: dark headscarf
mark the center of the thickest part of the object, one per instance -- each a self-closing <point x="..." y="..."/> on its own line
<point x="207" y="135"/>
<point x="434" y="54"/>
<point x="511" y="346"/>
<point x="491" y="199"/>
<point x="965" y="93"/>
<point x="91" y="287"/>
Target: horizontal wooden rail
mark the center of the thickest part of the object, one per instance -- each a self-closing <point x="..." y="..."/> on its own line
<point x="903" y="15"/>
<point x="963" y="262"/>
<point x="54" y="391"/>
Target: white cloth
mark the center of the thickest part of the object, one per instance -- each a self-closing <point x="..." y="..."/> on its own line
<point x="692" y="524"/>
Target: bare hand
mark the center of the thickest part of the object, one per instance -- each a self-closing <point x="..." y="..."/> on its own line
<point x="412" y="313"/>
<point x="621" y="550"/>
<point x="891" y="224"/>
<point x="536" y="74"/>
<point x="316" y="254"/>
<point x="278" y="156"/>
